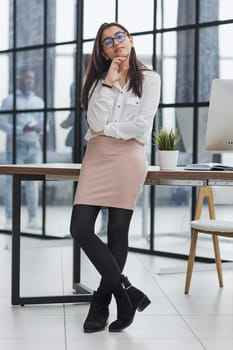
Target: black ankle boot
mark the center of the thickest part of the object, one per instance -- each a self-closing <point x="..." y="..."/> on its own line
<point x="128" y="299"/>
<point x="98" y="312"/>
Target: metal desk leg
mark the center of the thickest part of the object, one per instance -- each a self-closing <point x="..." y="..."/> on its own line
<point x="15" y="283"/>
<point x="83" y="294"/>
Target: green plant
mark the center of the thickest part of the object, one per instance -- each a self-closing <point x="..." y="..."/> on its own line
<point x="166" y="139"/>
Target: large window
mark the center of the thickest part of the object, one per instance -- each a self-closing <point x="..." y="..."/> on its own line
<point x="34" y="45"/>
<point x="186" y="41"/>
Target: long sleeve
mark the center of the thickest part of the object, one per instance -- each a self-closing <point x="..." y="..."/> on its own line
<point x="100" y="107"/>
<point x="139" y="125"/>
<point x="120" y="113"/>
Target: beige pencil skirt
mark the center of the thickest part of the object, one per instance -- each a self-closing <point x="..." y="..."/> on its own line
<point x="112" y="173"/>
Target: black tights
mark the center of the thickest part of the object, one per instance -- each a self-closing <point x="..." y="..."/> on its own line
<point x="108" y="259"/>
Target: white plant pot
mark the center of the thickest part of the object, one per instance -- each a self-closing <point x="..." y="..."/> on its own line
<point x="168" y="159"/>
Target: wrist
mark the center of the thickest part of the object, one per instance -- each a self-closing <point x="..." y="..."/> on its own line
<point x="106" y="84"/>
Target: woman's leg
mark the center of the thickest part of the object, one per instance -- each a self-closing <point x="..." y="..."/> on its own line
<point x="106" y="259"/>
<point x="82" y="229"/>
<point x="128" y="298"/>
<point x="118" y="232"/>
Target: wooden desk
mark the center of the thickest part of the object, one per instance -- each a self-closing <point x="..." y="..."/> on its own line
<point x="71" y="172"/>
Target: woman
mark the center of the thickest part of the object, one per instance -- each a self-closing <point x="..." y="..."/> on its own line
<point x="120" y="96"/>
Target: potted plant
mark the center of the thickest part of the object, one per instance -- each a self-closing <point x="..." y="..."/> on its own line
<point x="167" y="141"/>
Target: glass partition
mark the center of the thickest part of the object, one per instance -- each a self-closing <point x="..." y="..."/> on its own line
<point x="60" y="75"/>
<point x="5" y="27"/>
<point x="225" y="51"/>
<point x="136" y="22"/>
<point x="96" y="14"/>
<point x="29" y="22"/>
<point x="188" y="47"/>
<point x="61" y="14"/>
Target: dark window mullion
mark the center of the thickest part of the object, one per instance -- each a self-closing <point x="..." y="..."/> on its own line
<point x="14" y="58"/>
<point x="45" y="84"/>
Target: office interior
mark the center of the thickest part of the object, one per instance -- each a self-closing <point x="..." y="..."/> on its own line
<point x="188" y="43"/>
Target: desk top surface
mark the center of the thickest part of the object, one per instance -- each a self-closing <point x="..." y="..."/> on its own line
<point x="154" y="173"/>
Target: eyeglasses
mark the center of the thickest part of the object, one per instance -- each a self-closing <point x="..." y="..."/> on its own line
<point x="109" y="42"/>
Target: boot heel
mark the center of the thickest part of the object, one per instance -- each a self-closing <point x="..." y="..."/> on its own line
<point x="144" y="302"/>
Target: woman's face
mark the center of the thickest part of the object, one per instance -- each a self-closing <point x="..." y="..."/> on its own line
<point x="116" y="43"/>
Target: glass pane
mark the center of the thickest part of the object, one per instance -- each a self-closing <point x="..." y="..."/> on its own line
<point x="209" y="10"/>
<point x="172" y="235"/>
<point x="182" y="120"/>
<point x="61" y="14"/>
<point x="144" y="48"/>
<point x="59" y="149"/>
<point x="30" y="61"/>
<point x="5" y="62"/>
<point x="31" y="205"/>
<point x="4" y="24"/>
<point x="140" y="223"/>
<point x="167" y="13"/>
<point x="175" y="13"/>
<point x="185" y="66"/>
<point x="96" y="13"/>
<point x="59" y="199"/>
<point x="29" y="22"/>
<point x="136" y="22"/>
<point x="60" y="69"/>
<point x="208" y="52"/>
<point x="6" y="78"/>
<point x="225" y="51"/>
<point x="225" y="9"/>
<point x="176" y="64"/>
<point x="29" y="134"/>
<point x="28" y="150"/>
<point x="186" y="12"/>
<point x="88" y="47"/>
<point x="166" y="51"/>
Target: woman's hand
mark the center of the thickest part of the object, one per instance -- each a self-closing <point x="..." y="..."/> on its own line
<point x="116" y="70"/>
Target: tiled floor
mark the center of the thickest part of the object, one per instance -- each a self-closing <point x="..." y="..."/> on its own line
<point x="201" y="320"/>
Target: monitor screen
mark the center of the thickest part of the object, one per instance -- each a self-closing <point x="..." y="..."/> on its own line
<point x="219" y="132"/>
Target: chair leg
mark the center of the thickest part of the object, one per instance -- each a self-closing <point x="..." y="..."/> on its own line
<point x="218" y="259"/>
<point x="191" y="260"/>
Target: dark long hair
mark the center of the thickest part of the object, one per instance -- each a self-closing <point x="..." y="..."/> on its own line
<point x="99" y="65"/>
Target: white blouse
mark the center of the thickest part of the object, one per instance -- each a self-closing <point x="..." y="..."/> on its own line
<point x="120" y="113"/>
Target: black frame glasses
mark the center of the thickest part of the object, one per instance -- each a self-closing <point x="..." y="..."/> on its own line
<point x="109" y="42"/>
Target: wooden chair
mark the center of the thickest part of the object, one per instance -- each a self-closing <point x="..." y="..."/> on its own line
<point x="210" y="226"/>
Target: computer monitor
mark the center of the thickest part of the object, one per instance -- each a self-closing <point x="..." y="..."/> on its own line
<point x="219" y="132"/>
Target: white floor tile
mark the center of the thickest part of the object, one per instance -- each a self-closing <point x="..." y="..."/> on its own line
<point x="113" y="342"/>
<point x="26" y="326"/>
<point x="212" y="326"/>
<point x="211" y="305"/>
<point x="32" y="344"/>
<point x="142" y="327"/>
<point x="201" y="320"/>
<point x="217" y="344"/>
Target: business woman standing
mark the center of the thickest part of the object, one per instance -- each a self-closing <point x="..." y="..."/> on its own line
<point x="121" y="97"/>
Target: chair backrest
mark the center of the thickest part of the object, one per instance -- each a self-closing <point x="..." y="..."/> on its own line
<point x="205" y="192"/>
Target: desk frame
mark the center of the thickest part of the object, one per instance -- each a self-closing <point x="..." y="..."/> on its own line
<point x="83" y="294"/>
<point x="53" y="171"/>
